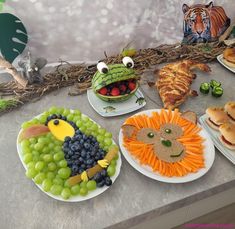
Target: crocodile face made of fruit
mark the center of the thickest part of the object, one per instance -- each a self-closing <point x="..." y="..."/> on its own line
<point x="115" y="82"/>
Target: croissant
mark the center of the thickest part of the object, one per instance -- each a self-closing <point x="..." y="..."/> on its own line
<point x="174" y="81"/>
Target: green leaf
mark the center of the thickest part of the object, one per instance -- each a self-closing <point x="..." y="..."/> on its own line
<point x="13" y="36"/>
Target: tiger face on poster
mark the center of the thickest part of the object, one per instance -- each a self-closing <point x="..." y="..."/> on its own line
<point x="204" y="23"/>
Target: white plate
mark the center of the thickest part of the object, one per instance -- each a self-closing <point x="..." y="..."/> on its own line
<point x="118" y="108"/>
<point x="230" y="154"/>
<point x="77" y="198"/>
<point x="209" y="155"/>
<point x="220" y="59"/>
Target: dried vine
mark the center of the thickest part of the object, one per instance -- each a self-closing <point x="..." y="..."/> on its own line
<point x="80" y="75"/>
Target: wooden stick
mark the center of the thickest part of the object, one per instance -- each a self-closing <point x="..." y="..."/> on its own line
<point x="11" y="70"/>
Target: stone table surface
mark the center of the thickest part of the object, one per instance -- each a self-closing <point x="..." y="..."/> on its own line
<point x="131" y="199"/>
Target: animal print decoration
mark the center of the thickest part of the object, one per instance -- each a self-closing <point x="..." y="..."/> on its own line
<point x="204" y="23"/>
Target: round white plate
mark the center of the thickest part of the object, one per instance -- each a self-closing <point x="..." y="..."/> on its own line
<point x="117" y="108"/>
<point x="77" y="198"/>
<point x="209" y="155"/>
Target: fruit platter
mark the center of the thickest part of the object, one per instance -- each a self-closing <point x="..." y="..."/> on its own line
<point x="166" y="145"/>
<point x="68" y="155"/>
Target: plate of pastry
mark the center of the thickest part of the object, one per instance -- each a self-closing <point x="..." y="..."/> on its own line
<point x="220" y="124"/>
<point x="167" y="145"/>
<point x="227" y="59"/>
<point x="67" y="155"/>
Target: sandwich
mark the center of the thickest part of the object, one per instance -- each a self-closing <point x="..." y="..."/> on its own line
<point x="227" y="137"/>
<point x="229" y="57"/>
<point x="230" y="109"/>
<point x="217" y="117"/>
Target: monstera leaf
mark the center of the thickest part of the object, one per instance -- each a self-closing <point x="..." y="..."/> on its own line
<point x="13" y="36"/>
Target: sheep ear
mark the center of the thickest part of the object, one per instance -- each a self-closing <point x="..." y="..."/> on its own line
<point x="185" y="8"/>
<point x="40" y="62"/>
<point x="210" y="5"/>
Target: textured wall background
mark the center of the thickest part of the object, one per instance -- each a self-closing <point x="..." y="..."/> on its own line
<point x="84" y="29"/>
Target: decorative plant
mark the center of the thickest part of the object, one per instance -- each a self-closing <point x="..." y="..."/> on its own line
<point x="13" y="35"/>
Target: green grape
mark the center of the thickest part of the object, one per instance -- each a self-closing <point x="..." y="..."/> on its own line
<point x="58" y="143"/>
<point x="77" y="112"/>
<point x="56" y="189"/>
<point x="87" y="132"/>
<point x="83" y="191"/>
<point x="101" y="144"/>
<point x="43" y="119"/>
<point x="64" y="172"/>
<point x="89" y="124"/>
<point x="38" y="179"/>
<point x="31" y="164"/>
<point x="85" y="118"/>
<point x="35" y="121"/>
<point x="111" y="170"/>
<point x="75" y="119"/>
<point x="38" y="146"/>
<point x="91" y="185"/>
<point x="27" y="158"/>
<point x="51" y="145"/>
<point x="26" y="125"/>
<point x="39" y="165"/>
<point x="113" y="163"/>
<point x="58" y="180"/>
<point x="83" y="184"/>
<point x="50" y="175"/>
<point x="57" y="147"/>
<point x="70" y="117"/>
<point x="25" y="142"/>
<point x="79" y="123"/>
<point x="60" y="110"/>
<point x="108" y="135"/>
<point x="94" y="133"/>
<point x="100" y="138"/>
<point x="75" y="189"/>
<point x="42" y="140"/>
<point x="82" y="128"/>
<point x="108" y="141"/>
<point x="26" y="149"/>
<point x="52" y="166"/>
<point x="62" y="163"/>
<point x="106" y="148"/>
<point x="31" y="173"/>
<point x="58" y="156"/>
<point x="36" y="158"/>
<point x="66" y="193"/>
<point x="46" y="113"/>
<point x="53" y="110"/>
<point x="47" y="157"/>
<point x="49" y="135"/>
<point x="46" y="185"/>
<point x="33" y="140"/>
<point x="101" y="131"/>
<point x="67" y="184"/>
<point x="45" y="169"/>
<point x="35" y="153"/>
<point x="46" y="150"/>
<point x="66" y="112"/>
<point x="94" y="127"/>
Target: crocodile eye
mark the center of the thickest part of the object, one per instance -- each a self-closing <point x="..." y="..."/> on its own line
<point x="128" y="62"/>
<point x="102" y="67"/>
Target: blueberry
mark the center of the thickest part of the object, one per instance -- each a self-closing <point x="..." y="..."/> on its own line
<point x="73" y="148"/>
<point x="84" y="137"/>
<point x="89" y="162"/>
<point x="88" y="166"/>
<point x="96" y="158"/>
<point x="94" y="163"/>
<point x="65" y="149"/>
<point x="74" y="168"/>
<point x="74" y="157"/>
<point x="101" y="184"/>
<point x="70" y="153"/>
<point x="67" y="139"/>
<point x="108" y="181"/>
<point x="64" y="118"/>
<point x="77" y="153"/>
<point x="59" y="116"/>
<point x="93" y="153"/>
<point x="78" y="132"/>
<point x="66" y="156"/>
<point x="80" y="171"/>
<point x="103" y="173"/>
<point x="77" y="162"/>
<point x="83" y="166"/>
<point x="54" y="116"/>
<point x="81" y="141"/>
<point x="98" y="177"/>
<point x="80" y="159"/>
<point x="83" y="153"/>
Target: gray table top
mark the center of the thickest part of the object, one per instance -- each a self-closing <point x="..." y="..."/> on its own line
<point x="131" y="199"/>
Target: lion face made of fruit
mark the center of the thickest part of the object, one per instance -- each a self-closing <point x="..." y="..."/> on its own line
<point x="165" y="141"/>
<point x="66" y="153"/>
<point x="115" y="82"/>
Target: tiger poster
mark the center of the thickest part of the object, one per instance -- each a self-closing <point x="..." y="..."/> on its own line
<point x="204" y="23"/>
